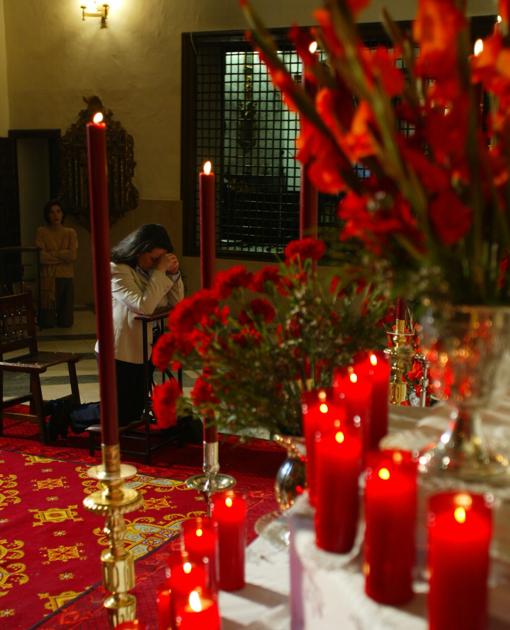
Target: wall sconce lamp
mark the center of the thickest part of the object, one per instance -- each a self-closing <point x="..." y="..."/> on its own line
<point x="95" y="9"/>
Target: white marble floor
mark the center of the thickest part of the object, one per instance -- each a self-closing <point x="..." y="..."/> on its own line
<point x="80" y="338"/>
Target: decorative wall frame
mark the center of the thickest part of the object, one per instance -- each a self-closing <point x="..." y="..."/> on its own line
<point x="74" y="195"/>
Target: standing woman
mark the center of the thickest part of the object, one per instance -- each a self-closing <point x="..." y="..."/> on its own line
<point x="59" y="246"/>
<point x="145" y="276"/>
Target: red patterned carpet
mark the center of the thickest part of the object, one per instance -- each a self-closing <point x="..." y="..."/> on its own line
<point x="50" y="545"/>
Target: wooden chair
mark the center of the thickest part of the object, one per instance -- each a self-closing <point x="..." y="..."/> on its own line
<point x="18" y="333"/>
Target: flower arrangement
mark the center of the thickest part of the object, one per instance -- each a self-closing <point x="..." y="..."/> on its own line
<point x="258" y="340"/>
<point x="435" y="208"/>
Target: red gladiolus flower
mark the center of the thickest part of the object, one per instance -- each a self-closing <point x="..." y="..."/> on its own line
<point x="262" y="309"/>
<point x="435" y="29"/>
<point x="450" y="217"/>
<point x="164" y="399"/>
<point x="306" y="248"/>
<point x="503" y="269"/>
<point x="246" y="337"/>
<point x="234" y="278"/>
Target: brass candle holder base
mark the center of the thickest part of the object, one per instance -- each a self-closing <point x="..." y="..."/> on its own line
<point x="211" y="480"/>
<point x="113" y="501"/>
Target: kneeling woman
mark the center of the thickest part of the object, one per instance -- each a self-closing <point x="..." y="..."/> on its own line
<point x="145" y="277"/>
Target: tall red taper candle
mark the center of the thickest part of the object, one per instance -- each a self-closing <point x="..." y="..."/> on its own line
<point x="100" y="231"/>
<point x="207" y="199"/>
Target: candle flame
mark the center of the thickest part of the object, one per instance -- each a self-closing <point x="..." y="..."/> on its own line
<point x="207" y="167"/>
<point x="463" y="500"/>
<point x="186" y="567"/>
<point x="499" y="19"/>
<point x="384" y="474"/>
<point x="337" y="423"/>
<point x="199" y="533"/>
<point x="339" y="437"/>
<point x="194" y="602"/>
<point x="322" y="395"/>
<point x="353" y="377"/>
<point x="397" y="457"/>
<point x="373" y="359"/>
<point x="460" y="515"/>
<point x="98" y="117"/>
<point x="313" y="47"/>
<point x="229" y="502"/>
<point x="323" y="408"/>
<point x="478" y="47"/>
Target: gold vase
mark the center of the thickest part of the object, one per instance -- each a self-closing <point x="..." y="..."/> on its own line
<point x="465" y="347"/>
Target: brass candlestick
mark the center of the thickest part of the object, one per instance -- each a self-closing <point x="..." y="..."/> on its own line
<point x="400" y="359"/>
<point x="113" y="501"/>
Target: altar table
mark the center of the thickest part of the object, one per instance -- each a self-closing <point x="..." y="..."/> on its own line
<point x="328" y="588"/>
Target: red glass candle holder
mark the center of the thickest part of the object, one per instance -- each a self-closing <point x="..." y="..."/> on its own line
<point x="199" y="613"/>
<point x="229" y="511"/>
<point x="353" y="389"/>
<point x="320" y="411"/>
<point x="164" y="606"/>
<point x="459" y="527"/>
<point x="199" y="539"/>
<point x="338" y="456"/>
<point x="376" y="368"/>
<point x="183" y="578"/>
<point x="134" y="624"/>
<point x="390" y="526"/>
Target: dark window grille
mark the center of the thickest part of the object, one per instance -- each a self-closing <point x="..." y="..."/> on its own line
<point x="233" y="116"/>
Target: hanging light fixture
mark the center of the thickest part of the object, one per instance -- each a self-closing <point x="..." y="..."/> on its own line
<point x="95" y="9"/>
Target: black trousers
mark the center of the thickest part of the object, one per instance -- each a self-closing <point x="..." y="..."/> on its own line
<point x="130" y="391"/>
<point x="63" y="315"/>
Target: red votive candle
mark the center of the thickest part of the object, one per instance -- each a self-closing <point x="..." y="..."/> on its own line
<point x="184" y="577"/>
<point x="353" y="389"/>
<point x="459" y="534"/>
<point x="390" y="525"/>
<point x="229" y="511"/>
<point x="163" y="603"/>
<point x="376" y="368"/>
<point x="338" y="456"/>
<point x="133" y="624"/>
<point x="199" y="537"/>
<point x="200" y="613"/>
<point x="320" y="410"/>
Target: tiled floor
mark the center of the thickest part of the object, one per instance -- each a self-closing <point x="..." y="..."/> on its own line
<point x="81" y="338"/>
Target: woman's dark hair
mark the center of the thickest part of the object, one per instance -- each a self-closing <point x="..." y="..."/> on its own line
<point x="144" y="239"/>
<point x="48" y="206"/>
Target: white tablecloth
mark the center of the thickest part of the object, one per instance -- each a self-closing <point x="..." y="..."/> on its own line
<point x="327" y="589"/>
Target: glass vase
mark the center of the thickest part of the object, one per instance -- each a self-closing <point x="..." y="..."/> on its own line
<point x="465" y="346"/>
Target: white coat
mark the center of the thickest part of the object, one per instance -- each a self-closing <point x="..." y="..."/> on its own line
<point x="133" y="294"/>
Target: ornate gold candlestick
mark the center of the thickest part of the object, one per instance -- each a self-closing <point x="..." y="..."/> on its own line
<point x="113" y="501"/>
<point x="400" y="359"/>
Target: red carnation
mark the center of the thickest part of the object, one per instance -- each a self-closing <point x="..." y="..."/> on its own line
<point x="202" y="392"/>
<point x="234" y="278"/>
<point x="163" y="351"/>
<point x="305" y="248"/>
<point x="190" y="311"/>
<point x="164" y="399"/>
<point x="262" y="309"/>
<point x="266" y="275"/>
